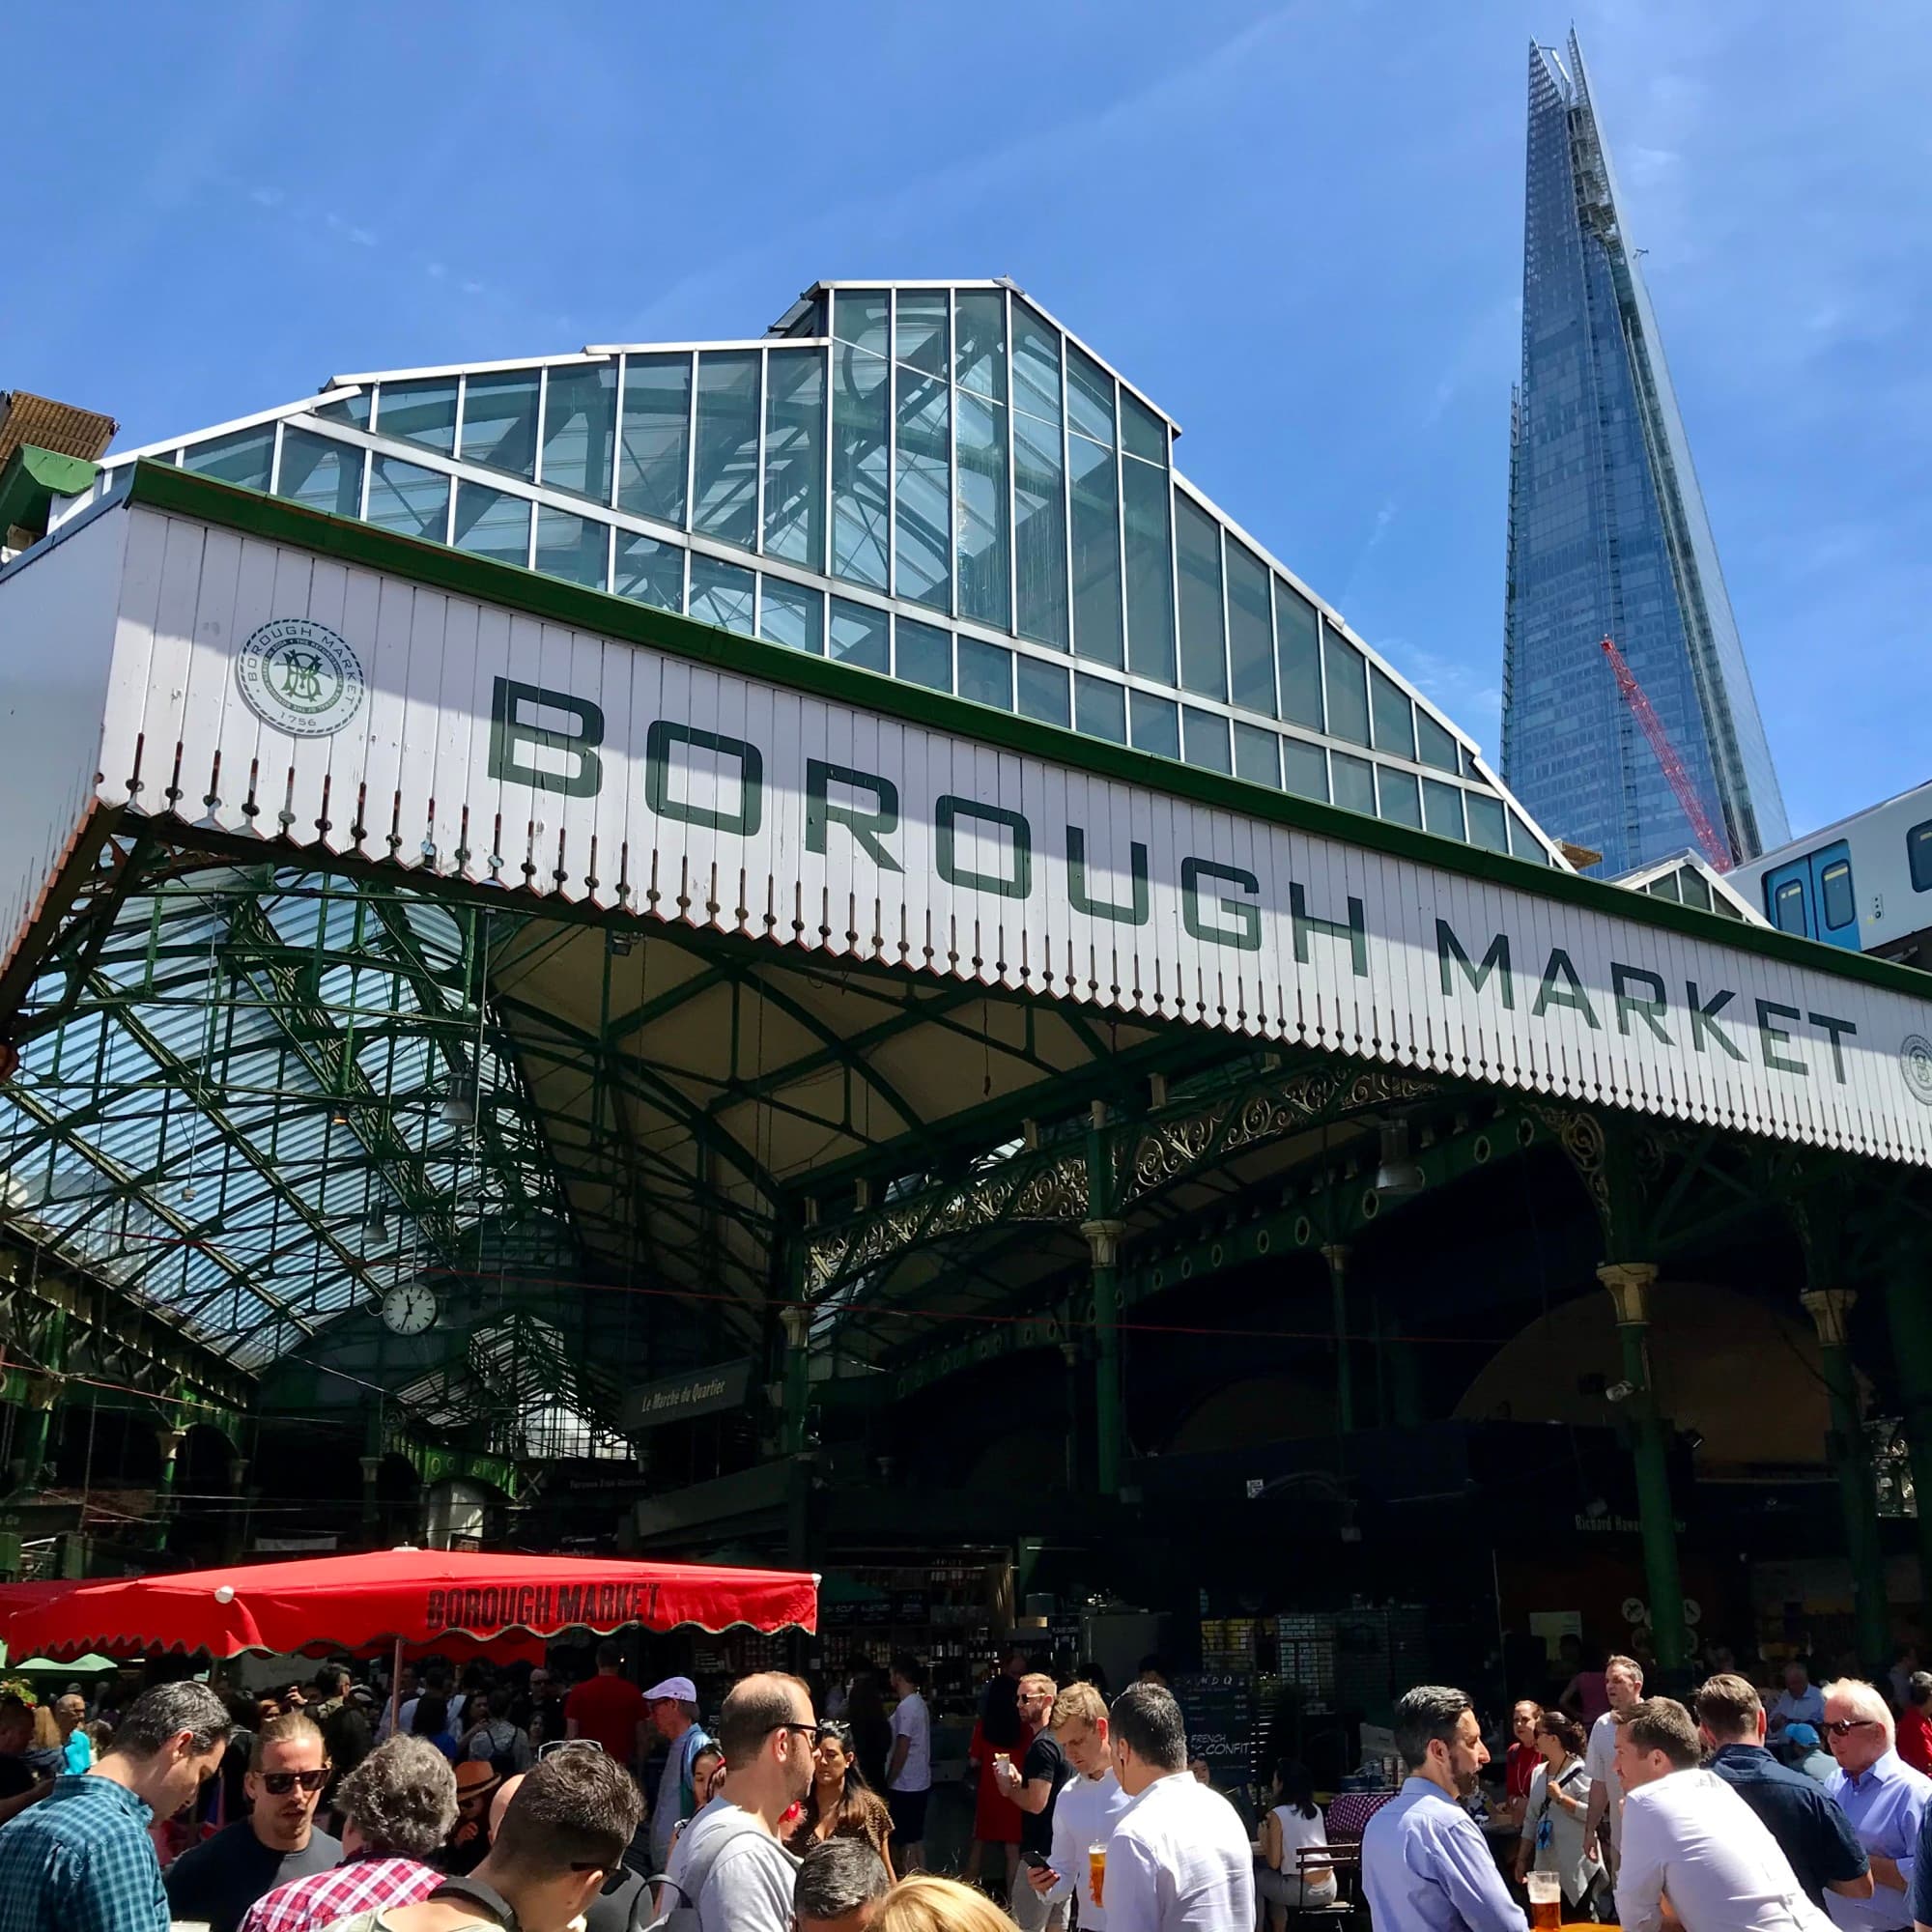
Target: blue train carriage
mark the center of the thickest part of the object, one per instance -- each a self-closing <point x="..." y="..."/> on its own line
<point x="1865" y="883"/>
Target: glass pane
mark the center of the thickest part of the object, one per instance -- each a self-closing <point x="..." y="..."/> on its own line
<point x="1149" y="565"/>
<point x="649" y="572"/>
<point x="1354" y="782"/>
<point x="1142" y="432"/>
<point x="423" y="411"/>
<point x="1664" y="887"/>
<point x="1156" y="723"/>
<point x="921" y="343"/>
<point x="925" y="654"/>
<point x="794" y="615"/>
<point x="580" y="429"/>
<point x="1698" y="893"/>
<point x="1250" y="632"/>
<point x="1401" y="797"/>
<point x="980" y="437"/>
<point x="724" y="471"/>
<point x="1096" y="553"/>
<point x="500" y="422"/>
<point x="1040" y="532"/>
<point x="242" y="458"/>
<point x="1488" y="827"/>
<point x="1918" y="856"/>
<point x="722" y="594"/>
<point x="1835" y="885"/>
<point x="1090" y="397"/>
<point x="572" y="546"/>
<point x="492" y="523"/>
<point x="861" y="636"/>
<point x="652" y="457"/>
<point x="985" y="673"/>
<point x="795" y="456"/>
<point x="1304" y="768"/>
<point x="1394" y="714"/>
<point x="354" y="410"/>
<point x="1205" y="736"/>
<point x="1469" y="770"/>
<point x="923" y="505"/>
<point x="1257" y="755"/>
<point x="1042" y="690"/>
<point x="1100" y="708"/>
<point x="406" y="497"/>
<point x="862" y="316"/>
<point x="981" y="365"/>
<point x="1524" y="843"/>
<point x="1197" y="556"/>
<point x="322" y="474"/>
<point x="1298" y="655"/>
<point x="1442" y="808"/>
<point x="859" y="458"/>
<point x="1436" y="741"/>
<point x="1347" y="688"/>
<point x="1787" y="907"/>
<point x="1035" y="366"/>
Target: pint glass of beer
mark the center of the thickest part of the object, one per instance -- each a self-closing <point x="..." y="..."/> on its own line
<point x="1545" y="1901"/>
<point x="1096" y="1872"/>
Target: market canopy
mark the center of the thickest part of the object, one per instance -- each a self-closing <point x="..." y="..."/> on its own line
<point x="422" y="1599"/>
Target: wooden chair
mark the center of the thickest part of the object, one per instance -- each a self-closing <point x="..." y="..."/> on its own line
<point x="1345" y="1861"/>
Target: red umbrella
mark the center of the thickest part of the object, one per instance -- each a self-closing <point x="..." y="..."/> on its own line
<point x="422" y="1599"/>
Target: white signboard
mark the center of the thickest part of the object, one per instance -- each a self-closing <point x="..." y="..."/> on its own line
<point x="271" y="692"/>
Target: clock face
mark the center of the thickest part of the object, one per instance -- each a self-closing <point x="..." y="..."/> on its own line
<point x="409" y="1308"/>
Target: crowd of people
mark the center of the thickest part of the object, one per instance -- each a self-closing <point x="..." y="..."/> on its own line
<point x="1736" y="1811"/>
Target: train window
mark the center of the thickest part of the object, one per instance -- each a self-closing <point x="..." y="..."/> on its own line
<point x="1835" y="889"/>
<point x="1919" y="850"/>
<point x="1787" y="907"/>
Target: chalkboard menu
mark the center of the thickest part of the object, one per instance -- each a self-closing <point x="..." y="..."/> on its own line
<point x="1220" y="1710"/>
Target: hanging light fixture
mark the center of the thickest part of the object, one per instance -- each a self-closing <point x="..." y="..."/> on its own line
<point x="1398" y="1174"/>
<point x="459" y="1104"/>
<point x="376" y="1225"/>
<point x="338" y="1115"/>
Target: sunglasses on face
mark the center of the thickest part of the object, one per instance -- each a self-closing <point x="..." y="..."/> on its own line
<point x="279" y="1783"/>
<point x="556" y="1745"/>
<point x="1843" y="1727"/>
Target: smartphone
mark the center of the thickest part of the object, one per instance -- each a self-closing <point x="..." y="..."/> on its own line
<point x="1034" y="1861"/>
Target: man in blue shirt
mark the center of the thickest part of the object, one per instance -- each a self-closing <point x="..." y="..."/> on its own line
<point x="1799" y="1702"/>
<point x="1814" y="1834"/>
<point x="1885" y="1799"/>
<point x="81" y="1860"/>
<point x="1425" y="1866"/>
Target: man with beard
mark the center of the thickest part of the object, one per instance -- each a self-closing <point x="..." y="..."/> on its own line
<point x="1425" y="1866"/>
<point x="731" y="1865"/>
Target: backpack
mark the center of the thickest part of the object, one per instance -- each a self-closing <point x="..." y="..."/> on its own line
<point x="679" y="1896"/>
<point x="502" y="1755"/>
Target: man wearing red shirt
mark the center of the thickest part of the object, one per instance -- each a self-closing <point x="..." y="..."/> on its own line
<point x="609" y="1710"/>
<point x="1915" y="1722"/>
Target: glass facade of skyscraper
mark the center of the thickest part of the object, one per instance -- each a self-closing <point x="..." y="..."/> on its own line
<point x="933" y="482"/>
<point x="1608" y="538"/>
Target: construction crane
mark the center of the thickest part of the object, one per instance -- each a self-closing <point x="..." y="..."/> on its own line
<point x="1716" y="846"/>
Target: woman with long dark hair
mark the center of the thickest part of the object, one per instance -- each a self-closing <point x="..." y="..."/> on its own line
<point x="1001" y="1732"/>
<point x="1293" y="1824"/>
<point x="1554" y="1835"/>
<point x="840" y="1804"/>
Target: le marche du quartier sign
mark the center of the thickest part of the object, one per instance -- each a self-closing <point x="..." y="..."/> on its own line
<point x="470" y="738"/>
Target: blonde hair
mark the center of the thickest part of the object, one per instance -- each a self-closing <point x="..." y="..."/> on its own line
<point x="1041" y="1678"/>
<point x="922" y="1903"/>
<point x="1865" y="1703"/>
<point x="1080" y="1703"/>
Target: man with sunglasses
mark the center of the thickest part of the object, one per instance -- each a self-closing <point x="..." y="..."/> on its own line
<point x="1885" y="1799"/>
<point x="218" y="1881"/>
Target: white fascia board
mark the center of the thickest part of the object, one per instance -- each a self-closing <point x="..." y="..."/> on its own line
<point x="603" y="350"/>
<point x="362" y="381"/>
<point x="169" y="443"/>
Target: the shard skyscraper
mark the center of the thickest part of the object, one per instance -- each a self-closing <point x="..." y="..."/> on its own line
<point x="1608" y="536"/>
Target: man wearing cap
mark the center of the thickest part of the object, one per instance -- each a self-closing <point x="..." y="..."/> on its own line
<point x="1804" y="1750"/>
<point x="673" y="1708"/>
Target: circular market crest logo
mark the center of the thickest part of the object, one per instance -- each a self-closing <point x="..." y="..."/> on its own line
<point x="1915" y="1054"/>
<point x="300" y="677"/>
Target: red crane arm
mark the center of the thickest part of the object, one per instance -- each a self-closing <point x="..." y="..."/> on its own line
<point x="1716" y="846"/>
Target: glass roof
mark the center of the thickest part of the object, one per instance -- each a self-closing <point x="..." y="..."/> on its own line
<point x="259" y="1098"/>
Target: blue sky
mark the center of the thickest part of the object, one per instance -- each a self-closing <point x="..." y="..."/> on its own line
<point x="1298" y="227"/>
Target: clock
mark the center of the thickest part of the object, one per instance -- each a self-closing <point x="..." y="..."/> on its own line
<point x="409" y="1308"/>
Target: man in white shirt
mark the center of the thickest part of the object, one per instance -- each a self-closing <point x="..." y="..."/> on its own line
<point x="1179" y="1860"/>
<point x="1623" y="1686"/>
<point x="1089" y="1806"/>
<point x="1694" y="1854"/>
<point x="909" y="1770"/>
